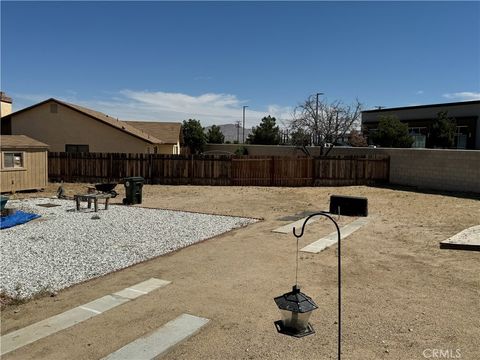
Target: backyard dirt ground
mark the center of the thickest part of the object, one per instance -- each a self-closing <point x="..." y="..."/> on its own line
<point x="403" y="297"/>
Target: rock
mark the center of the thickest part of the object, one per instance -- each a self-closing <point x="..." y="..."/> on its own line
<point x="69" y="243"/>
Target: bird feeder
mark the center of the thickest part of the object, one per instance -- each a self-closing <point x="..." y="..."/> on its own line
<point x="296" y="308"/>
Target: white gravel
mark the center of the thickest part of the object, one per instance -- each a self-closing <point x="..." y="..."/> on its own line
<point x="65" y="247"/>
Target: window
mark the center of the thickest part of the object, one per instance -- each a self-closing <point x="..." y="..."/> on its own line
<point x="76" y="148"/>
<point x="53" y="108"/>
<point x="461" y="137"/>
<point x="419" y="135"/>
<point x="369" y="136"/>
<point x="13" y="160"/>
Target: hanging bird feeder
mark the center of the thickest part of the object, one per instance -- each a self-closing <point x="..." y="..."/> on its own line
<point x="296" y="308"/>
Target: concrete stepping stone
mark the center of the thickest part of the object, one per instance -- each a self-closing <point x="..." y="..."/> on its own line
<point x="332" y="238"/>
<point x="27" y="335"/>
<point x="468" y="239"/>
<point x="160" y="341"/>
<point x="288" y="229"/>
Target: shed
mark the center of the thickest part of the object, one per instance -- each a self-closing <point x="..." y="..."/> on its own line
<point x="23" y="163"/>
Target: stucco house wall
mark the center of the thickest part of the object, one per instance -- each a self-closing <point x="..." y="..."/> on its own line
<point x="5" y="104"/>
<point x="169" y="132"/>
<point x="169" y="149"/>
<point x="68" y="126"/>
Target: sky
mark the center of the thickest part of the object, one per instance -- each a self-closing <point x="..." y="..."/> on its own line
<point x="170" y="61"/>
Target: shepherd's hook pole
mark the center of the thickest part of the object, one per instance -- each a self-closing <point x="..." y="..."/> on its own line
<point x="339" y="276"/>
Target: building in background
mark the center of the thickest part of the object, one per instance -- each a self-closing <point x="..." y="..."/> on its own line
<point x="68" y="127"/>
<point x="5" y="104"/>
<point x="420" y="119"/>
<point x="169" y="132"/>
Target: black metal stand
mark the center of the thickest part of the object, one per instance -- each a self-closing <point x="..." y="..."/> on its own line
<point x="339" y="273"/>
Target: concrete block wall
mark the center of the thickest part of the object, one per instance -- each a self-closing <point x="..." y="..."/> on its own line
<point x="436" y="169"/>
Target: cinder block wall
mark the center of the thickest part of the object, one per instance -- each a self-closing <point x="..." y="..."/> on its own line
<point x="436" y="169"/>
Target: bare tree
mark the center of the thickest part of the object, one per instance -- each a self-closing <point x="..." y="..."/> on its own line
<point x="325" y="123"/>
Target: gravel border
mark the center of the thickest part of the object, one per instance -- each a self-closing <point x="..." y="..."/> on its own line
<point x="65" y="247"/>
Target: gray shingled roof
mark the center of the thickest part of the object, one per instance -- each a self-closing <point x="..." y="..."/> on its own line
<point x="20" y="142"/>
<point x="169" y="132"/>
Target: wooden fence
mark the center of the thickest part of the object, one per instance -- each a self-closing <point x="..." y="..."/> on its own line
<point x="219" y="170"/>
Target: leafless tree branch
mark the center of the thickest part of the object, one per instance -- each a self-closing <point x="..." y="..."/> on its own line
<point x="333" y="122"/>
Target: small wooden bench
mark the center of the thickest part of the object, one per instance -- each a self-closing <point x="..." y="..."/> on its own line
<point x="89" y="197"/>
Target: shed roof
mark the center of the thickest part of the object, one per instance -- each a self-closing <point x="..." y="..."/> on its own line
<point x="20" y="142"/>
<point x="169" y="132"/>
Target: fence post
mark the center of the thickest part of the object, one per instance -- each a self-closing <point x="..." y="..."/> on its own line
<point x="312" y="170"/>
<point x="272" y="171"/>
<point x="190" y="175"/>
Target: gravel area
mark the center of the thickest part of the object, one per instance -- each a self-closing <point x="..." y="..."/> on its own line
<point x="65" y="247"/>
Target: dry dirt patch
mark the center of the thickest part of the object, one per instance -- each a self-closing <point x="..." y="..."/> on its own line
<point x="402" y="294"/>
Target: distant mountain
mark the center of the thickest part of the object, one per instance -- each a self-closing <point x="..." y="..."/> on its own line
<point x="230" y="132"/>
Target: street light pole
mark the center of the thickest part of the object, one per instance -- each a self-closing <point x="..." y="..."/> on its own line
<point x="315" y="139"/>
<point x="243" y="133"/>
<point x="238" y="131"/>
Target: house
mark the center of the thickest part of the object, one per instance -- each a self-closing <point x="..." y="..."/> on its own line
<point x="23" y="163"/>
<point x="169" y="132"/>
<point x="69" y="127"/>
<point x="420" y="118"/>
<point x="5" y="104"/>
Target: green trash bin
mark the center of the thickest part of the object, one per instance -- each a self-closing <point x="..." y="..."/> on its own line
<point x="133" y="190"/>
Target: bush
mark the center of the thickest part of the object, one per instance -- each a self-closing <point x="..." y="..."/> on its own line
<point x="242" y="150"/>
<point x="392" y="133"/>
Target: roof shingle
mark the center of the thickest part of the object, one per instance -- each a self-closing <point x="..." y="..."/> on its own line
<point x="169" y="132"/>
<point x="20" y="142"/>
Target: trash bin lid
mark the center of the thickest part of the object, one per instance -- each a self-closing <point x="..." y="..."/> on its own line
<point x="134" y="179"/>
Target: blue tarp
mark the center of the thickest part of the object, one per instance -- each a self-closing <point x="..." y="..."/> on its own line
<point x="19" y="217"/>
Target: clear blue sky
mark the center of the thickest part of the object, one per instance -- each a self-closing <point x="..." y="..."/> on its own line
<point x="173" y="60"/>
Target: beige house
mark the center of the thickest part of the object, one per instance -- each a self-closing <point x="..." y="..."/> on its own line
<point x="5" y="104"/>
<point x="68" y="127"/>
<point x="23" y="163"/>
<point x="169" y="132"/>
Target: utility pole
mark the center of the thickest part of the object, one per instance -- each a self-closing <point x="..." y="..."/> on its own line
<point x="243" y="133"/>
<point x="238" y="131"/>
<point x="315" y="139"/>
